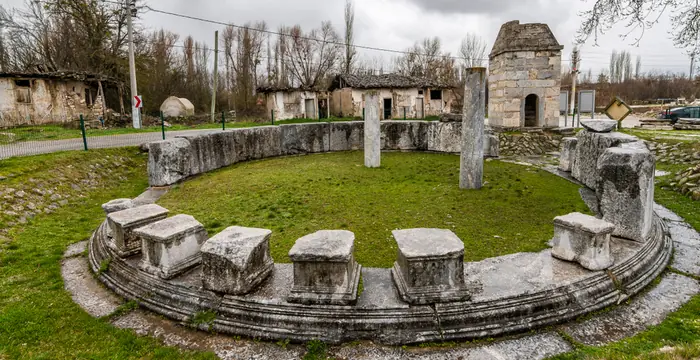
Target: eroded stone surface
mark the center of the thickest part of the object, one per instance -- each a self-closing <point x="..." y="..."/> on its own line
<point x="123" y="223"/>
<point x="429" y="267"/>
<point x="75" y="249"/>
<point x="686" y="247"/>
<point x="589" y="148"/>
<point x="583" y="239"/>
<point x="236" y="260"/>
<point x="168" y="161"/>
<point x="567" y="154"/>
<point x="649" y="309"/>
<point x="171" y="246"/>
<point x="85" y="290"/>
<point x="625" y="191"/>
<point x="589" y="197"/>
<point x="599" y="125"/>
<point x="305" y="138"/>
<point x="117" y="205"/>
<point x="372" y="131"/>
<point x="150" y="196"/>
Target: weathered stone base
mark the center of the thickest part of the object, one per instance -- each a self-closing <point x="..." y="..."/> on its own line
<point x="331" y="295"/>
<point x="426" y="294"/>
<point x="169" y="272"/>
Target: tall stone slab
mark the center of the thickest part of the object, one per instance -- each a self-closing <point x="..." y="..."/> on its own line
<point x="373" y="141"/>
<point x="568" y="153"/>
<point x="625" y="190"/>
<point x="590" y="147"/>
<point x="471" y="164"/>
<point x="168" y="161"/>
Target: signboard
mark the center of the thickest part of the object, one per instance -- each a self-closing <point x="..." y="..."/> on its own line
<point x="563" y="102"/>
<point x="138" y="102"/>
<point x="586" y="101"/>
<point x="617" y="110"/>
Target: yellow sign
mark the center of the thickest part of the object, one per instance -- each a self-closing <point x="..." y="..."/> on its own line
<point x="617" y="110"/>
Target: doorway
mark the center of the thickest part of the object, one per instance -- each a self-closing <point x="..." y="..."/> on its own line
<point x="387" y="109"/>
<point x="420" y="108"/>
<point x="323" y="108"/>
<point x="310" y="109"/>
<point x="531" y="110"/>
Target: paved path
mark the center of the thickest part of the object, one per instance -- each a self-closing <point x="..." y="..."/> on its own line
<point x="26" y="148"/>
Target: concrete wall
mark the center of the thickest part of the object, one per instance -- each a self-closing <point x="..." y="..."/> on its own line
<point x="291" y="104"/>
<point x="51" y="101"/>
<point x="173" y="160"/>
<point x="515" y="75"/>
<point x="350" y="102"/>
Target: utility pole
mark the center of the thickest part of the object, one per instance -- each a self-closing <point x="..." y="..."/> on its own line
<point x="574" y="75"/>
<point x="216" y="75"/>
<point x="692" y="65"/>
<point x="135" y="115"/>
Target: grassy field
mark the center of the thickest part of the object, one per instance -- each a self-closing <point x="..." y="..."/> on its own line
<point x="295" y="196"/>
<point x="38" y="319"/>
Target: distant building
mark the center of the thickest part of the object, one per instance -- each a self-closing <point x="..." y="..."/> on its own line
<point x="416" y="98"/>
<point x="295" y="103"/>
<point x="57" y="97"/>
<point x="524" y="77"/>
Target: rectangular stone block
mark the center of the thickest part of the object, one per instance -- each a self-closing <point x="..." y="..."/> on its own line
<point x="168" y="161"/>
<point x="625" y="190"/>
<point x="117" y="205"/>
<point x="589" y="148"/>
<point x="123" y="223"/>
<point x="584" y="239"/>
<point x="256" y="142"/>
<point x="347" y="136"/>
<point x="171" y="246"/>
<point x="567" y="155"/>
<point x="236" y="260"/>
<point x="325" y="270"/>
<point x="305" y="138"/>
<point x="405" y="135"/>
<point x="429" y="267"/>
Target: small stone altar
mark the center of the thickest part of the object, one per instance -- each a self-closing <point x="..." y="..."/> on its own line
<point x="584" y="239"/>
<point x="325" y="271"/>
<point x="124" y="222"/>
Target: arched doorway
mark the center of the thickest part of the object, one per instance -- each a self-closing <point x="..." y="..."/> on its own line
<point x="531" y="110"/>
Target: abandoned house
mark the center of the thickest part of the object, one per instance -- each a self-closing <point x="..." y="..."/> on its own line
<point x="57" y="97"/>
<point x="524" y="77"/>
<point x="400" y="96"/>
<point x="294" y="103"/>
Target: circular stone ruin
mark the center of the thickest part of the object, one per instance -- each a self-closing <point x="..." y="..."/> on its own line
<point x="172" y="267"/>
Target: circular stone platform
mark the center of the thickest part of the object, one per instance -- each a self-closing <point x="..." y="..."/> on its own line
<point x="511" y="293"/>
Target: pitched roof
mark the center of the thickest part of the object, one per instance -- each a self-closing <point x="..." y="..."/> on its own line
<point x="60" y="75"/>
<point x="272" y="88"/>
<point x="515" y="36"/>
<point x="394" y="81"/>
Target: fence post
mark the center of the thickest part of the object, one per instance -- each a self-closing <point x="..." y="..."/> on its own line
<point x="223" y="121"/>
<point x="272" y="116"/>
<point x="162" y="124"/>
<point x="363" y="114"/>
<point x="82" y="129"/>
<point x="404" y="113"/>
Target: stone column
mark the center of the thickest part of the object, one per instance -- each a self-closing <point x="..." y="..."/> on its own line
<point x="372" y="130"/>
<point x="471" y="171"/>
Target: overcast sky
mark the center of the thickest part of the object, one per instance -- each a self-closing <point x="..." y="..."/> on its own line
<point x="397" y="24"/>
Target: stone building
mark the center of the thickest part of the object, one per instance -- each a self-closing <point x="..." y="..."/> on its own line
<point x="524" y="77"/>
<point x="399" y="96"/>
<point x="56" y="97"/>
<point x="294" y="102"/>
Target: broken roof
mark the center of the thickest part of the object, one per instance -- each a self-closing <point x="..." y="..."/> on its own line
<point x="392" y="81"/>
<point x="515" y="36"/>
<point x="271" y="89"/>
<point x="60" y="75"/>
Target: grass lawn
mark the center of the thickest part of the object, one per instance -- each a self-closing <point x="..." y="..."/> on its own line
<point x="295" y="196"/>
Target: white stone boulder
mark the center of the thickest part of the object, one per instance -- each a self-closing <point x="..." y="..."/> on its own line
<point x="117" y="205"/>
<point x="123" y="223"/>
<point x="236" y="260"/>
<point x="589" y="148"/>
<point x="625" y="190"/>
<point x="429" y="267"/>
<point x="584" y="239"/>
<point x="325" y="270"/>
<point x="171" y="246"/>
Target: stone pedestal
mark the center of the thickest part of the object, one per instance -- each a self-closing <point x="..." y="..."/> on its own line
<point x="584" y="239"/>
<point x="373" y="134"/>
<point x="625" y="190"/>
<point x="236" y="260"/>
<point x="169" y="247"/>
<point x="471" y="170"/>
<point x="123" y="223"/>
<point x="325" y="270"/>
<point x="568" y="153"/>
<point x="430" y="266"/>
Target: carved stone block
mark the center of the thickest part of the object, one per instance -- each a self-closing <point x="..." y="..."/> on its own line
<point x="584" y="239"/>
<point x="123" y="223"/>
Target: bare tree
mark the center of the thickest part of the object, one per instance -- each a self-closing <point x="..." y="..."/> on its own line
<point x="350" y="51"/>
<point x="472" y="50"/>
<point x="638" y="67"/>
<point x="639" y="16"/>
<point x="310" y="57"/>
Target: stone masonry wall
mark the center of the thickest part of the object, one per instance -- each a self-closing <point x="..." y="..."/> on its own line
<point x="515" y="75"/>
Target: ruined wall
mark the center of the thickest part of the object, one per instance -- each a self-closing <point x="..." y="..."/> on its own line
<point x="291" y="104"/>
<point x="49" y="101"/>
<point x="515" y="75"/>
<point x="416" y="102"/>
